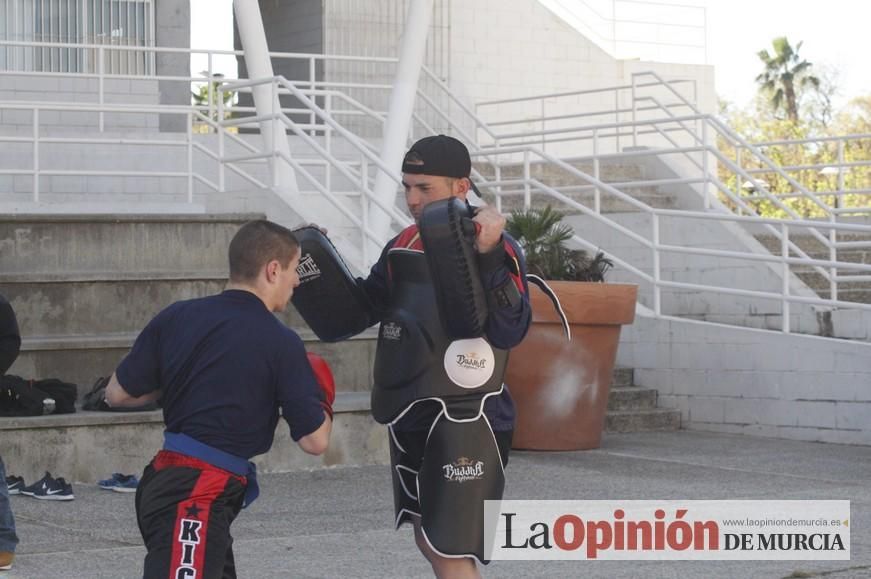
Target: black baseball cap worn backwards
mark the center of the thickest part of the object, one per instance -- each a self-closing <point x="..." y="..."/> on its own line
<point x="438" y="155"/>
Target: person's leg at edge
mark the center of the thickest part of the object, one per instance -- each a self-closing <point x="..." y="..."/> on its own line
<point x="444" y="567"/>
<point x="8" y="537"/>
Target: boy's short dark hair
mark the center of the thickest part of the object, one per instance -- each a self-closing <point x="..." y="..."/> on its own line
<point x="256" y="244"/>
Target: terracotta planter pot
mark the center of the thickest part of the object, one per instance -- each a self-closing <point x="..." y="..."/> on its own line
<point x="561" y="388"/>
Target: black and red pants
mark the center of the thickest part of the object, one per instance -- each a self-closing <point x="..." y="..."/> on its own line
<point x="184" y="508"/>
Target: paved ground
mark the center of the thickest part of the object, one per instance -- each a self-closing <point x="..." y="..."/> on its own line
<point x="337" y="522"/>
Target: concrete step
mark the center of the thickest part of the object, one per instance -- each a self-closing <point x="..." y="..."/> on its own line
<point x="609" y="172"/>
<point x="98" y="244"/>
<point x="92" y="304"/>
<point x="859" y="292"/>
<point x="642" y="420"/>
<point x="633" y="408"/>
<point x="557" y="177"/>
<point x="608" y="203"/>
<point x="82" y="359"/>
<point x="622" y="377"/>
<point x="89" y="446"/>
<point x="625" y="398"/>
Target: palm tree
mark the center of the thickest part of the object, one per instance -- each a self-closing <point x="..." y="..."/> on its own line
<point x="784" y="72"/>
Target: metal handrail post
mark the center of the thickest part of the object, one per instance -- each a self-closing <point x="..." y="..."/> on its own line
<point x="211" y="91"/>
<point x="634" y="111"/>
<point x="220" y="129"/>
<point x="738" y="183"/>
<point x="35" y="155"/>
<point x="784" y="252"/>
<point x="597" y="193"/>
<point x="312" y="79"/>
<point x="527" y="191"/>
<point x="705" y="164"/>
<point x="328" y="142"/>
<point x="657" y="266"/>
<point x="101" y="58"/>
<point x="364" y="207"/>
<point x="497" y="170"/>
<point x="833" y="256"/>
<point x="840" y="199"/>
<point x="190" y="155"/>
<point x="274" y="134"/>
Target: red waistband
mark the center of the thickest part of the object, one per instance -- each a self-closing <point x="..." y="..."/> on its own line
<point x="168" y="458"/>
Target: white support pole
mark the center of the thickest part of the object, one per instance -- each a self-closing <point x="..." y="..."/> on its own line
<point x="411" y="54"/>
<point x="259" y="66"/>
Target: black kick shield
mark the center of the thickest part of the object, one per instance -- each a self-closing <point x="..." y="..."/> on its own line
<point x="328" y="297"/>
<point x="448" y="236"/>
<point x="461" y="469"/>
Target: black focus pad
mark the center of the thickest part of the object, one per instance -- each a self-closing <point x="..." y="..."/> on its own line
<point x="328" y="297"/>
<point x="461" y="469"/>
<point x="448" y="236"/>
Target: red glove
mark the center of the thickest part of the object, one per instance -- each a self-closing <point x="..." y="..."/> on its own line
<point x="324" y="376"/>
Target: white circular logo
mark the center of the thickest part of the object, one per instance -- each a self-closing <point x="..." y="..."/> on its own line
<point x="469" y="363"/>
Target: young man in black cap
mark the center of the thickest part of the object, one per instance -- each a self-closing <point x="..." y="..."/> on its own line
<point x="222" y="367"/>
<point x="437" y="168"/>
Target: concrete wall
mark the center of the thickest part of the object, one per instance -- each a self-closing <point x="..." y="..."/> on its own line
<point x="76" y="91"/>
<point x="172" y="26"/>
<point x="82" y="288"/>
<point x="514" y="48"/>
<point x="88" y="446"/>
<point x="746" y="381"/>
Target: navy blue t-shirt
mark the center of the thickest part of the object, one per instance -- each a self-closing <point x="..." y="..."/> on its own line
<point x="226" y="365"/>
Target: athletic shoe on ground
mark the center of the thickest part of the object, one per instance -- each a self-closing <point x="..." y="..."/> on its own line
<point x="30" y="489"/>
<point x="50" y="489"/>
<point x="15" y="484"/>
<point x="6" y="559"/>
<point x="120" y="483"/>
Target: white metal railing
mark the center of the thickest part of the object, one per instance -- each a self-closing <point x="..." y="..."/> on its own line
<point x="314" y="118"/>
<point x="532" y="189"/>
<point x="696" y="143"/>
<point x="841" y="171"/>
<point x="371" y="100"/>
<point x="358" y="213"/>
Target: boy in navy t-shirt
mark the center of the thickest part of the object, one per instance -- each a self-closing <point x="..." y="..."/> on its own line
<point x="222" y="367"/>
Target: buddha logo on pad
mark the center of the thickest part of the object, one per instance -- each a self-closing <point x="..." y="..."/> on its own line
<point x="463" y="469"/>
<point x="469" y="363"/>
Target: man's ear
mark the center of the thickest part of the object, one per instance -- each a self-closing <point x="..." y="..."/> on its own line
<point x="461" y="187"/>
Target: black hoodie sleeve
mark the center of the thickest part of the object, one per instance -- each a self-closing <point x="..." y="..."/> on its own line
<point x="10" y="338"/>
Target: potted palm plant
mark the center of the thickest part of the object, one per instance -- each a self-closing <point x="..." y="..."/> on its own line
<point x="560" y="375"/>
